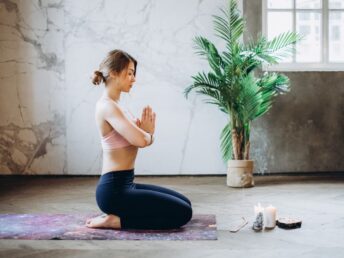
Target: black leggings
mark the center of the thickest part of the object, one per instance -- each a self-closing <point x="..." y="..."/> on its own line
<point x="141" y="206"/>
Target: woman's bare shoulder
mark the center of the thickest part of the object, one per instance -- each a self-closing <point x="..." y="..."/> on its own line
<point x="104" y="106"/>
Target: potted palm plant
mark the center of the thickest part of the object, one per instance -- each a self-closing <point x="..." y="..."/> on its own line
<point x="236" y="84"/>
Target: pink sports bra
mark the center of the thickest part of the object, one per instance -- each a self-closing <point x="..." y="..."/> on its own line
<point x="113" y="140"/>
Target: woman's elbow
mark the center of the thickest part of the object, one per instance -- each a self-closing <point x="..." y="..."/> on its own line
<point x="143" y="142"/>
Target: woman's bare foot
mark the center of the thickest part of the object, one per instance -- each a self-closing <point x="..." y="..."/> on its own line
<point x="104" y="221"/>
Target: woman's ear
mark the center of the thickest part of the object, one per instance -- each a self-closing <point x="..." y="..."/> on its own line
<point x="112" y="75"/>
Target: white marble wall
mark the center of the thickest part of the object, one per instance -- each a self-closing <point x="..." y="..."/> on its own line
<point x="50" y="48"/>
<point x="33" y="90"/>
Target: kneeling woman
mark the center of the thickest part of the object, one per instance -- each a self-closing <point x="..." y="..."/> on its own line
<point x="126" y="204"/>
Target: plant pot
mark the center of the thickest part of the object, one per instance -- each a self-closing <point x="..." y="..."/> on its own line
<point x="240" y="173"/>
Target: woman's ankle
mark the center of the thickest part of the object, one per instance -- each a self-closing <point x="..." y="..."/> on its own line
<point x="115" y="221"/>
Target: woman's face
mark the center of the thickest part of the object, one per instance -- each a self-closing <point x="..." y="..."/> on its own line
<point x="126" y="78"/>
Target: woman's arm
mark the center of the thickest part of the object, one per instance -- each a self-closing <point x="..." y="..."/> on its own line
<point x="131" y="132"/>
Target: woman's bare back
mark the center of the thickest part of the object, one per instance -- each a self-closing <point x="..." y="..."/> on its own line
<point x="116" y="159"/>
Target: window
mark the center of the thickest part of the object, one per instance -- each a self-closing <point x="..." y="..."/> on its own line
<point x="322" y="24"/>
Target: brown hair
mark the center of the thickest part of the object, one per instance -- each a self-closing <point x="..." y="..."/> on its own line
<point x="115" y="61"/>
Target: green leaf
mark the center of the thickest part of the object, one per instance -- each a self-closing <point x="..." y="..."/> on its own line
<point x="226" y="143"/>
<point x="205" y="48"/>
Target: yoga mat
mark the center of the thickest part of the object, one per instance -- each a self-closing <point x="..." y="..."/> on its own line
<point x="72" y="227"/>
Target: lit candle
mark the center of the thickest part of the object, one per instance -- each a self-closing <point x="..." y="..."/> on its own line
<point x="258" y="209"/>
<point x="259" y="218"/>
<point x="270" y="217"/>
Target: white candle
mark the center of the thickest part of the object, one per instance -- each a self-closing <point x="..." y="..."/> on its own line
<point x="270" y="217"/>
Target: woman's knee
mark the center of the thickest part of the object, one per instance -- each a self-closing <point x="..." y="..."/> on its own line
<point x="185" y="216"/>
<point x="189" y="213"/>
<point x="187" y="200"/>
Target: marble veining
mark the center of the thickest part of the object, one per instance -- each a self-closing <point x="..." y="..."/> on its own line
<point x="49" y="49"/>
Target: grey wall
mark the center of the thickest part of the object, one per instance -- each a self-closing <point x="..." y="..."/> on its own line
<point x="304" y="130"/>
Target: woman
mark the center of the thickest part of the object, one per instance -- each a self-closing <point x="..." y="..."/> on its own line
<point x="129" y="205"/>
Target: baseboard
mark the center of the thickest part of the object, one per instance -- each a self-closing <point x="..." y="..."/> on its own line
<point x="317" y="173"/>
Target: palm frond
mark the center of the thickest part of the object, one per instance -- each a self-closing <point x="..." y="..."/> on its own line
<point x="231" y="27"/>
<point x="201" y="80"/>
<point x="250" y="99"/>
<point x="206" y="48"/>
<point x="271" y="84"/>
<point x="283" y="42"/>
<point x="271" y="52"/>
<point x="226" y="142"/>
<point x="221" y="105"/>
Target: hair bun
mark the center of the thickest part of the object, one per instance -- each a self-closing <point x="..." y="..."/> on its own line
<point x="98" y="77"/>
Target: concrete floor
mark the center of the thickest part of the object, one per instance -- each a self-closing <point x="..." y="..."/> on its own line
<point x="317" y="200"/>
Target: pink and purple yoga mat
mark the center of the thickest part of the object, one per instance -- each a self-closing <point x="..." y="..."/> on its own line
<point x="72" y="227"/>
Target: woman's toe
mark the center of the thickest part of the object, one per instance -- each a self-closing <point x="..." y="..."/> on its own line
<point x="89" y="222"/>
